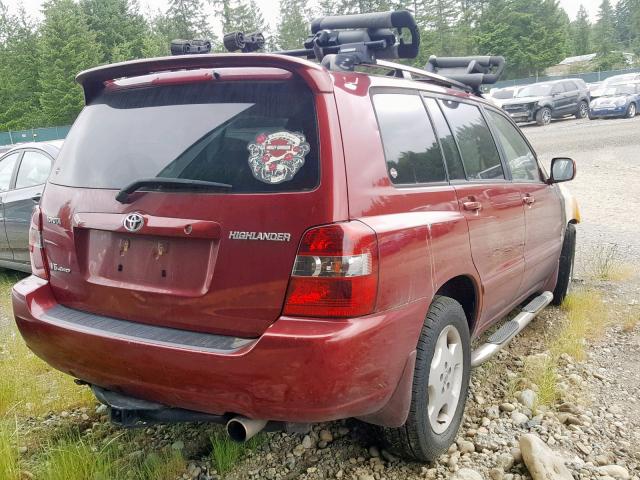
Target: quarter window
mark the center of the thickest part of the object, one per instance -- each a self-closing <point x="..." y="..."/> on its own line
<point x="522" y="163"/>
<point x="410" y="145"/>
<point x="6" y="170"/>
<point x="34" y="169"/>
<point x="479" y="153"/>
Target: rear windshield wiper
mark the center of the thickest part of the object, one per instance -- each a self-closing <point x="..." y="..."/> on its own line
<point x="158" y="183"/>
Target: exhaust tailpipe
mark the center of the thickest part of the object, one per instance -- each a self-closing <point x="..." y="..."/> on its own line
<point x="241" y="429"/>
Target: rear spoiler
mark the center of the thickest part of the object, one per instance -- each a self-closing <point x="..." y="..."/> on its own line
<point x="472" y="71"/>
<point x="93" y="80"/>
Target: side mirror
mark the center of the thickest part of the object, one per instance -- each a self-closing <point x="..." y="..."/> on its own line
<point x="563" y="169"/>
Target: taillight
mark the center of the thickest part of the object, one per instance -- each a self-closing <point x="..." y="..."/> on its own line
<point x="36" y="245"/>
<point x="335" y="273"/>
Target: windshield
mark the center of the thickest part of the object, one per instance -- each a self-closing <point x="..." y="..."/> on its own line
<point x="618" y="79"/>
<point x="502" y="94"/>
<point x="256" y="136"/>
<point x="618" y="90"/>
<point x="540" y="90"/>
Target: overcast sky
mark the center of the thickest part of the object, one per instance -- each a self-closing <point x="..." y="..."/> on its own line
<point x="270" y="7"/>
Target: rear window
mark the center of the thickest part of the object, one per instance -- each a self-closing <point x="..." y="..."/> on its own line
<point x="259" y="137"/>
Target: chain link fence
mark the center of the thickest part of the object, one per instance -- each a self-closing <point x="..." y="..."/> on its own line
<point x="590" y="77"/>
<point x="34" y="135"/>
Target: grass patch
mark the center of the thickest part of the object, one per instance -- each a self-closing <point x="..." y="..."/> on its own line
<point x="631" y="321"/>
<point x="226" y="453"/>
<point x="543" y="371"/>
<point x="28" y="386"/>
<point x="606" y="264"/>
<point x="9" y="459"/>
<point x="75" y="458"/>
<point x="585" y="317"/>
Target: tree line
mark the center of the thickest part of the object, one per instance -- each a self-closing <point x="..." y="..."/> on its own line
<point x="38" y="60"/>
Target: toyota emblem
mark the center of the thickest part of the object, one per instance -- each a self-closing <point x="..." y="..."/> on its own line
<point x="133" y="222"/>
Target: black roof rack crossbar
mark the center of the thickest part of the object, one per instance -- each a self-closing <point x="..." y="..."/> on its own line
<point x="472" y="71"/>
<point x="418" y="74"/>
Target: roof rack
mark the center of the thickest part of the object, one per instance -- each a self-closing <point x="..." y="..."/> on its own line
<point x="420" y="75"/>
<point x="472" y="71"/>
<point x="339" y="43"/>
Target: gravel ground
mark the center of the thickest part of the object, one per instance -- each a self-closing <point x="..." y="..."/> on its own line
<point x="607" y="154"/>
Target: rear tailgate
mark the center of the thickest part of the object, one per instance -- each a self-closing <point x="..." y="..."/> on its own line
<point x="214" y="261"/>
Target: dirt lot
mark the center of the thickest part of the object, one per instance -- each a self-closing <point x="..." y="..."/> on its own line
<point x="580" y="362"/>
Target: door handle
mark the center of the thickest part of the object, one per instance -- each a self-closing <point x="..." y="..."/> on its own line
<point x="37" y="197"/>
<point x="472" y="206"/>
<point x="528" y="199"/>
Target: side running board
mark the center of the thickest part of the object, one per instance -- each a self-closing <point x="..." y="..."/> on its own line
<point x="501" y="337"/>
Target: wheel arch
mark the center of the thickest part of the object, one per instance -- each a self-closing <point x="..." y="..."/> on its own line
<point x="465" y="291"/>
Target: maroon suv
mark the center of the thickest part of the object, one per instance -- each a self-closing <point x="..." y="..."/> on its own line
<point x="258" y="239"/>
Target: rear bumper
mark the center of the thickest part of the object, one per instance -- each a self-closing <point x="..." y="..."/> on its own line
<point x="299" y="370"/>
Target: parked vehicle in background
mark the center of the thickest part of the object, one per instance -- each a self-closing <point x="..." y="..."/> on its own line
<point x="617" y="101"/>
<point x="614" y="80"/>
<point x="498" y="96"/>
<point x="23" y="172"/>
<point x="542" y="102"/>
<point x="290" y="242"/>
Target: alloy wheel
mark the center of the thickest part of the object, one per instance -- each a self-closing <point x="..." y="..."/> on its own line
<point x="584" y="110"/>
<point x="445" y="379"/>
<point x="632" y="111"/>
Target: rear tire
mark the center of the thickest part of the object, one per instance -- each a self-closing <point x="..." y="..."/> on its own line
<point x="565" y="268"/>
<point x="631" y="110"/>
<point x="543" y="116"/>
<point x="440" y="379"/>
<point x="583" y="110"/>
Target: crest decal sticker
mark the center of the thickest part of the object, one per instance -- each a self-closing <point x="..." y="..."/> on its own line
<point x="276" y="157"/>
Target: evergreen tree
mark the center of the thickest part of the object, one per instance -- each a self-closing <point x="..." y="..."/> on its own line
<point x="581" y="33"/>
<point x="605" y="38"/>
<point x="241" y="16"/>
<point x="185" y="19"/>
<point x="67" y="46"/>
<point x="119" y="27"/>
<point x="622" y="23"/>
<point x="532" y="35"/>
<point x="293" y="27"/>
<point x="18" y="71"/>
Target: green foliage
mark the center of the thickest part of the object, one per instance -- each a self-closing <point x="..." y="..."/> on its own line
<point x="9" y="460"/>
<point x="67" y="46"/>
<point x="226" y="453"/>
<point x="581" y="33"/>
<point x="119" y="28"/>
<point x="293" y="28"/>
<point x="19" y="89"/>
<point x="605" y="31"/>
<point x="532" y="35"/>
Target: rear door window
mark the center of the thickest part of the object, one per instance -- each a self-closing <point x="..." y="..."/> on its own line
<point x="477" y="148"/>
<point x="259" y="137"/>
<point x="34" y="169"/>
<point x="410" y="144"/>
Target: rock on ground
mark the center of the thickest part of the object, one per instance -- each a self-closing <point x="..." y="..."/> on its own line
<point x="541" y="462"/>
